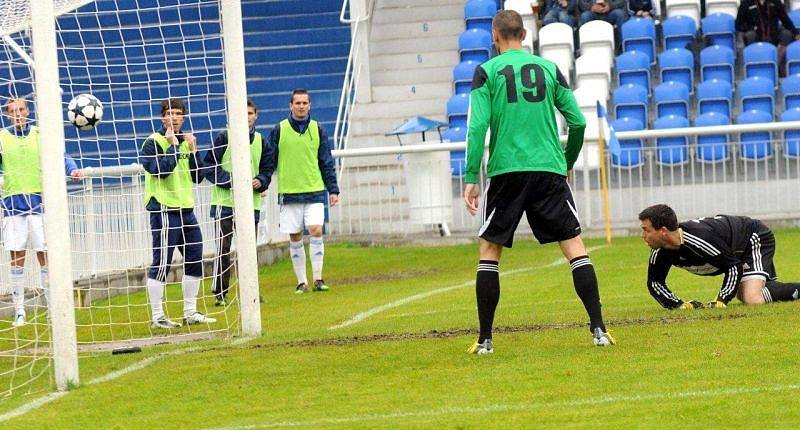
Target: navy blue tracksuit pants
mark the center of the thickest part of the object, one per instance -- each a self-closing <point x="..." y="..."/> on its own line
<point x="175" y="229"/>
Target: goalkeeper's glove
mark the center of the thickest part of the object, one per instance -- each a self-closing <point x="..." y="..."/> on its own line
<point x="692" y="304"/>
<point x="716" y="304"/>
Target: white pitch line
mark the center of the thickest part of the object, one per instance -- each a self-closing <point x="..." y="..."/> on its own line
<point x="500" y="407"/>
<point x="41" y="401"/>
<point x="357" y="318"/>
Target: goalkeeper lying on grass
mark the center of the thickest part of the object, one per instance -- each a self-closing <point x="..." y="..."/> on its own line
<point x="739" y="247"/>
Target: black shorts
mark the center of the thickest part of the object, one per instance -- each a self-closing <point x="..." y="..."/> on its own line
<point x="544" y="197"/>
<point x="758" y="256"/>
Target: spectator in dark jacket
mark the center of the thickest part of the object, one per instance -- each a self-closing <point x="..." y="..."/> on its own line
<point x="611" y="11"/>
<point x="757" y="20"/>
<point x="560" y="11"/>
<point x="641" y="8"/>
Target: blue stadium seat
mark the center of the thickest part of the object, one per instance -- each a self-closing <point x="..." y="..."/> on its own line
<point x="714" y="96"/>
<point x="793" y="57"/>
<point x="756" y="145"/>
<point x="672" y="98"/>
<point x="791" y="145"/>
<point x="719" y="29"/>
<point x="757" y="93"/>
<point x="639" y="34"/>
<point x="462" y="76"/>
<point x="475" y="45"/>
<point x="479" y="13"/>
<point x="633" y="67"/>
<point x="457" y="109"/>
<point x="457" y="163"/>
<point x="761" y="59"/>
<point x="456" y="134"/>
<point x="630" y="153"/>
<point x="672" y="151"/>
<point x="790" y="88"/>
<point x="712" y="148"/>
<point x="630" y="101"/>
<point x="679" y="32"/>
<point x="795" y="17"/>
<point x="677" y="65"/>
<point x="716" y="62"/>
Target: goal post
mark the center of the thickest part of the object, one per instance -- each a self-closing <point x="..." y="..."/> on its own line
<point x="54" y="193"/>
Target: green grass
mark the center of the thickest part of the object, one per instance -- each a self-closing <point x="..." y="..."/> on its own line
<point x="406" y="367"/>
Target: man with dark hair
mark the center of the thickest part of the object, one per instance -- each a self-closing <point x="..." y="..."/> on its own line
<point x="22" y="199"/>
<point x="301" y="153"/>
<point x="739" y="247"/>
<point x="515" y="94"/>
<point x="169" y="157"/>
<point x="218" y="161"/>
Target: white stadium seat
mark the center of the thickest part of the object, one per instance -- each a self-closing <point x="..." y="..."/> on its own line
<point x="589" y="157"/>
<point x="731" y="7"/>
<point x="597" y="39"/>
<point x="690" y="8"/>
<point x="594" y="75"/>
<point x="555" y="44"/>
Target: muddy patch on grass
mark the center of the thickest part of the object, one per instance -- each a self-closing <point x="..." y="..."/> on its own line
<point x="382" y="277"/>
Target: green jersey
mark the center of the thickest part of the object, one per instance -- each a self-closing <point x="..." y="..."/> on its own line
<point x="515" y="94"/>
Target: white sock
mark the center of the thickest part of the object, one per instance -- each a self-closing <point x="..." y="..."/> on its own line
<point x="155" y="293"/>
<point x="44" y="284"/>
<point x="298" y="254"/>
<point x="190" y="286"/>
<point x="317" y="249"/>
<point x="17" y="280"/>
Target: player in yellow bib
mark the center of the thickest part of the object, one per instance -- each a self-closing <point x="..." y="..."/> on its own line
<point x="22" y="199"/>
<point x="218" y="161"/>
<point x="300" y="151"/>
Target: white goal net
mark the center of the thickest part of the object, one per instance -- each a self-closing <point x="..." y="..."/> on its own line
<point x="131" y="55"/>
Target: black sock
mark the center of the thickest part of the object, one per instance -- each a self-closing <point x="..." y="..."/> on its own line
<point x="775" y="291"/>
<point x="487" y="292"/>
<point x="586" y="286"/>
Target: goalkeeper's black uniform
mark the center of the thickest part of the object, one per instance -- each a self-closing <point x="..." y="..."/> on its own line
<point x="735" y="246"/>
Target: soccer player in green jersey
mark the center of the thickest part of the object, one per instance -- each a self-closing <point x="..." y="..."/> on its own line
<point x="515" y="94"/>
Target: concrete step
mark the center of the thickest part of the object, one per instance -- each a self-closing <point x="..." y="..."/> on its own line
<point x="419" y="31"/>
<point x="442" y="75"/>
<point x="418" y="13"/>
<point x="413" y="61"/>
<point x="412" y="46"/>
<point x="400" y="109"/>
<point x="410" y="92"/>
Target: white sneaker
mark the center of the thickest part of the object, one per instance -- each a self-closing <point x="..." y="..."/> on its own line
<point x="165" y="322"/>
<point x="198" y="318"/>
<point x="19" y="320"/>
<point x="485" y="347"/>
<point x="601" y="338"/>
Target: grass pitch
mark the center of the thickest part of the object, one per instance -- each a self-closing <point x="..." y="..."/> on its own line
<point x="385" y="348"/>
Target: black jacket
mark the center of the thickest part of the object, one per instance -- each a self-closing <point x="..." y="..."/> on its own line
<point x="763" y="19"/>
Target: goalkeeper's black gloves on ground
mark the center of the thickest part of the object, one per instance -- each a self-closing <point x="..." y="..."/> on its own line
<point x="691" y="304"/>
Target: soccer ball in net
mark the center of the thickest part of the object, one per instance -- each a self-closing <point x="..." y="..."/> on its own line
<point x="85" y="111"/>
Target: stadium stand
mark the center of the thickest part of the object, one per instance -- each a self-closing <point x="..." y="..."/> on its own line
<point x="755" y="145"/>
<point x="793" y="58"/>
<point x="712" y="148"/>
<point x="730" y="7"/>
<point x="457" y="108"/>
<point x="717" y="62"/>
<point x="679" y="32"/>
<point x="690" y="8"/>
<point x="761" y="59"/>
<point x="791" y="138"/>
<point x="556" y="44"/>
<point x="672" y="151"/>
<point x="720" y="29"/>
<point x="629" y="154"/>
<point x="672" y="98"/>
<point x="790" y="89"/>
<point x="631" y="101"/>
<point x="462" y="76"/>
<point x="757" y="94"/>
<point x="633" y="68"/>
<point x="677" y="65"/>
<point x="639" y="34"/>
<point x="475" y="45"/>
<point x="714" y="96"/>
<point x="478" y="14"/>
<point x="597" y="40"/>
<point x="593" y="73"/>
